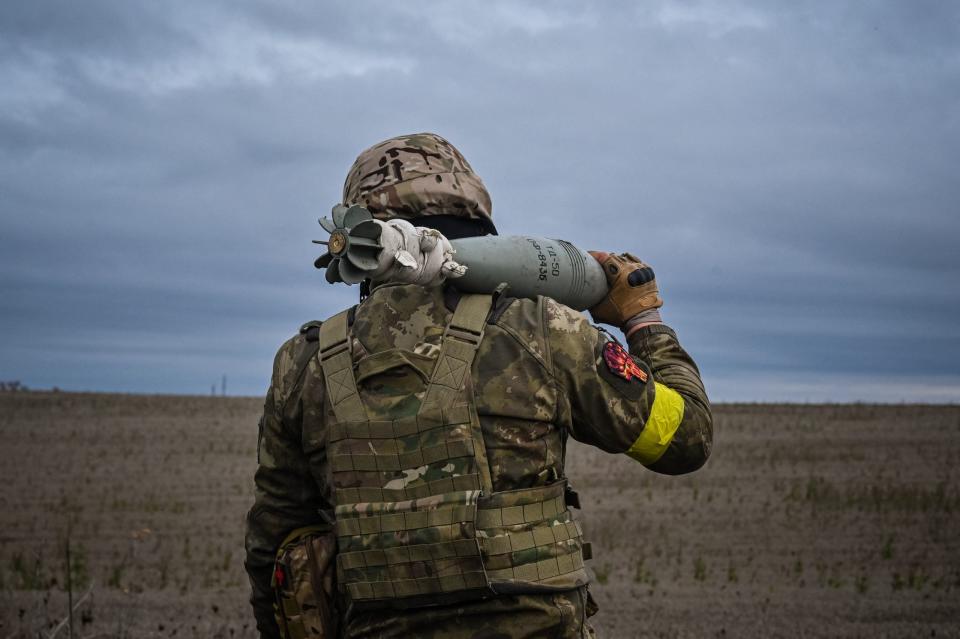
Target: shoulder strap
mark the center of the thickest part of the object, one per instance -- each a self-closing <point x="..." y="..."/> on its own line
<point x="337" y="365"/>
<point x="450" y="383"/>
<point x="459" y="346"/>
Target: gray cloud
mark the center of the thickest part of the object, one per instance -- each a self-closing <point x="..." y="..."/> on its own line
<point x="790" y="172"/>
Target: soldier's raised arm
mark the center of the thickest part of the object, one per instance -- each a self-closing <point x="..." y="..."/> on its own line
<point x="648" y="403"/>
<point x="287" y="497"/>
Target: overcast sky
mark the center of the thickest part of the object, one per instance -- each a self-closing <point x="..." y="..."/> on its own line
<point x="791" y="170"/>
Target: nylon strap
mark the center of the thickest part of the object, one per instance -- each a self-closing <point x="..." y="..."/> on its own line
<point x="542" y="571"/>
<point x="546" y="539"/>
<point x="450" y="382"/>
<point x="458" y="347"/>
<point x="393" y="589"/>
<point x="520" y="514"/>
<point x="337" y="364"/>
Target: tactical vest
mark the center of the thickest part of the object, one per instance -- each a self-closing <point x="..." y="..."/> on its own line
<point x="417" y="520"/>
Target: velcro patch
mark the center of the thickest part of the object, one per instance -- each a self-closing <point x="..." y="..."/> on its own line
<point x="620" y="363"/>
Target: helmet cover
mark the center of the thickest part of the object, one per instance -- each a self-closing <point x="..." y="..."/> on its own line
<point x="414" y="176"/>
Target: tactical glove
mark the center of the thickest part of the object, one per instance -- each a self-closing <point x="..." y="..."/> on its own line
<point x="633" y="297"/>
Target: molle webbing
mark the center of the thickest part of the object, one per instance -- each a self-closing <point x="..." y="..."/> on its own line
<point x="417" y="519"/>
<point x="528" y="537"/>
<point x="406" y="487"/>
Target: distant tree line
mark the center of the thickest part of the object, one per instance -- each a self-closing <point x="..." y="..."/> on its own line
<point x="13" y="386"/>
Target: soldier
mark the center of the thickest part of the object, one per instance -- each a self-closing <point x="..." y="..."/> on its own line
<point x="427" y="430"/>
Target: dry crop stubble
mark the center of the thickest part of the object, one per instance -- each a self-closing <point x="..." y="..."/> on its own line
<point x="153" y="490"/>
<point x="807" y="521"/>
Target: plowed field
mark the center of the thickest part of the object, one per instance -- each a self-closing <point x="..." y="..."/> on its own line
<point x="809" y="521"/>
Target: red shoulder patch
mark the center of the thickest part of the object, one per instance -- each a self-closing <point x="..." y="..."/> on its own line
<point x="620" y="363"/>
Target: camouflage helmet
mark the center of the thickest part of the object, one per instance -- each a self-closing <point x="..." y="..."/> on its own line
<point x="416" y="176"/>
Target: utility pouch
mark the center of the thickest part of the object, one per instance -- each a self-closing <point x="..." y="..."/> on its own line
<point x="304" y="584"/>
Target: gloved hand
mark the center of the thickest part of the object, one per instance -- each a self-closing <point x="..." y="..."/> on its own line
<point x="414" y="255"/>
<point x="633" y="299"/>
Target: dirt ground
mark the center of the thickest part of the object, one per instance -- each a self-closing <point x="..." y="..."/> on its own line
<point x="809" y="521"/>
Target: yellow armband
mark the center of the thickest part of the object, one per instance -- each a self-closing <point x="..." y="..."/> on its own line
<point x="663" y="421"/>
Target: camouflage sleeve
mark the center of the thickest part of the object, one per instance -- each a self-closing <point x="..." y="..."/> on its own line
<point x="657" y="345"/>
<point x="649" y="403"/>
<point x="286" y="497"/>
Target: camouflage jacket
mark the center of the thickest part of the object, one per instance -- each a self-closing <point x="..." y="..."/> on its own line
<point x="538" y="356"/>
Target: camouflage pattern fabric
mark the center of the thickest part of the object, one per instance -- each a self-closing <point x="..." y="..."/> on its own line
<point x="417" y="515"/>
<point x="539" y="377"/>
<point x="305" y="585"/>
<point x="416" y="175"/>
<point x="560" y="615"/>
